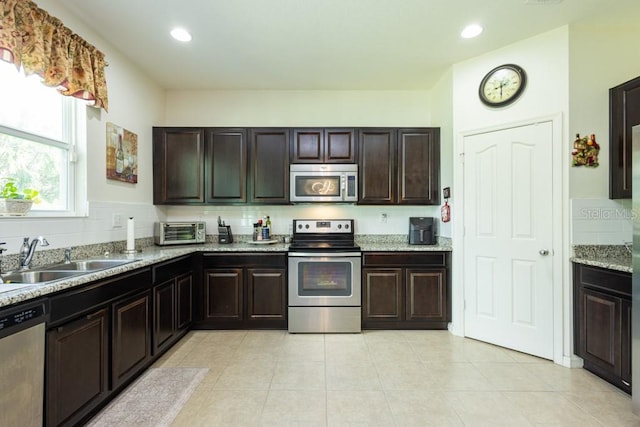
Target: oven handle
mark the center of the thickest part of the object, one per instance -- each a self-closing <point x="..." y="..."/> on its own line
<point x="325" y="254"/>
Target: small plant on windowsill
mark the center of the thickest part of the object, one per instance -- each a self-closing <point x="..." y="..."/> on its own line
<point x="15" y="201"/>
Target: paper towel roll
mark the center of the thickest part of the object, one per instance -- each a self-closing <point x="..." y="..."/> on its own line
<point x="131" y="240"/>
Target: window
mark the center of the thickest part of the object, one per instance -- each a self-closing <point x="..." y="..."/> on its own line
<point x="41" y="133"/>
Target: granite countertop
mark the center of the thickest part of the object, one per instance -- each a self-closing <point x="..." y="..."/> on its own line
<point x="613" y="257"/>
<point x="154" y="254"/>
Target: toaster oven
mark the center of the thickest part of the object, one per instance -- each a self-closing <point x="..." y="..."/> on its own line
<point x="178" y="233"/>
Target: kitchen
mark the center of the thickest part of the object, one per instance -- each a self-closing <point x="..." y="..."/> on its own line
<point x="138" y="104"/>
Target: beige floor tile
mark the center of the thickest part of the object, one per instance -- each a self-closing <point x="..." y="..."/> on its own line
<point x="311" y="351"/>
<point x="300" y="407"/>
<point x="486" y="408"/>
<point x="456" y="376"/>
<point x="560" y="378"/>
<point x="392" y="351"/>
<point x="223" y="408"/>
<point x="404" y="376"/>
<point x="476" y="351"/>
<point x="550" y="408"/>
<point x="294" y="375"/>
<point x="385" y="336"/>
<point x="511" y="377"/>
<point x="366" y="408"/>
<point x="422" y="408"/>
<point x="611" y="408"/>
<point x="339" y="351"/>
<point x="438" y="352"/>
<point x="352" y="375"/>
<point x="247" y="375"/>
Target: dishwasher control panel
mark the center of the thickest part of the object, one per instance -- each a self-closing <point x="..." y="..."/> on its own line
<point x="22" y="315"/>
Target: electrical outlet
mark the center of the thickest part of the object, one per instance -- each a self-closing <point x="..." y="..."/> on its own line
<point x="383" y="217"/>
<point x="116" y="220"/>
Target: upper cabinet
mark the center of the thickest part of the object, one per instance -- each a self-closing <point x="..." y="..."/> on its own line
<point x="399" y="166"/>
<point x="178" y="166"/>
<point x="624" y="113"/>
<point x="269" y="166"/>
<point x="323" y="145"/>
<point x="226" y="165"/>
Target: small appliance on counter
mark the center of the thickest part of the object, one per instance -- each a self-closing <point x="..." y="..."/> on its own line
<point x="422" y="231"/>
<point x="178" y="233"/>
<point x="224" y="233"/>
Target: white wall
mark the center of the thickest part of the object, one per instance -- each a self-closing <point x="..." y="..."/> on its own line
<point x="135" y="103"/>
<point x="307" y="108"/>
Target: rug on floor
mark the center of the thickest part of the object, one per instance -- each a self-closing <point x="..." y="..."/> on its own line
<point x="155" y="399"/>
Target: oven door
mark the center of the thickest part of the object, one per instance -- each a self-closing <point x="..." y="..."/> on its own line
<point x="325" y="279"/>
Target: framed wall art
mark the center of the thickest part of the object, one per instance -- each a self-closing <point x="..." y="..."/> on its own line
<point x="122" y="154"/>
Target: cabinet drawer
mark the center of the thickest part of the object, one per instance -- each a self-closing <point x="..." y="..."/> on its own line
<point x="169" y="270"/>
<point x="214" y="260"/>
<point x="605" y="280"/>
<point x="405" y="259"/>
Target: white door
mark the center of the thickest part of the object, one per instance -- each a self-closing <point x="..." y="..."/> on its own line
<point x="507" y="239"/>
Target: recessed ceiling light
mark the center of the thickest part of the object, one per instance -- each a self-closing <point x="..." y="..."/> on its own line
<point x="471" y="31"/>
<point x="181" y="34"/>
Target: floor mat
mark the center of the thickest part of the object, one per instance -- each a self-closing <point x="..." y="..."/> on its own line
<point x="155" y="399"/>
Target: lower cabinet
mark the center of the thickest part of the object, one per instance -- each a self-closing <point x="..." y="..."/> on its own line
<point x="602" y="323"/>
<point x="404" y="290"/>
<point x="77" y="367"/>
<point x="244" y="291"/>
<point x="172" y="302"/>
<point x="131" y="337"/>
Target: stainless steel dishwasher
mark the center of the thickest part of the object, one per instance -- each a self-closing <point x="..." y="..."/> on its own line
<point x="22" y="347"/>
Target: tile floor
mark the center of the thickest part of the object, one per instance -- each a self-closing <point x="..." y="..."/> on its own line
<point x="384" y="378"/>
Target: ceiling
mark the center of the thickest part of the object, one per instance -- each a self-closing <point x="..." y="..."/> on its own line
<point x="325" y="44"/>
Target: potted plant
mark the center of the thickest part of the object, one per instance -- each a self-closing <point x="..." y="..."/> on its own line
<point x="15" y="201"/>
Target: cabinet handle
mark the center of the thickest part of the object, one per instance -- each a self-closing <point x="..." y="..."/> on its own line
<point x="626" y="383"/>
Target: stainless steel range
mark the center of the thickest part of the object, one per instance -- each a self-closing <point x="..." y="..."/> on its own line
<point x="324" y="277"/>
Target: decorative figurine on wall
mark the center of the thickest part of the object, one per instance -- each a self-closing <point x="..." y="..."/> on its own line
<point x="585" y="151"/>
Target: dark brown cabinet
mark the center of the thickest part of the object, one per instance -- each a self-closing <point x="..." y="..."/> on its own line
<point x="602" y="310"/>
<point x="131" y="337"/>
<point x="405" y="290"/>
<point x="269" y="166"/>
<point x="624" y="113"/>
<point x="172" y="302"/>
<point x="226" y="165"/>
<point x="399" y="166"/>
<point x="77" y="368"/>
<point x="244" y="291"/>
<point x="178" y="166"/>
<point x="323" y="145"/>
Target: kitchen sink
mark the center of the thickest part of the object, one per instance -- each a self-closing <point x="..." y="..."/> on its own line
<point x="88" y="265"/>
<point x="38" y="276"/>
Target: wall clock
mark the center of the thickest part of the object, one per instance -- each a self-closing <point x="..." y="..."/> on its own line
<point x="502" y="85"/>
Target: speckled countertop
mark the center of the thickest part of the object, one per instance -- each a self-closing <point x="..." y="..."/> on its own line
<point x="613" y="257"/>
<point x="154" y="254"/>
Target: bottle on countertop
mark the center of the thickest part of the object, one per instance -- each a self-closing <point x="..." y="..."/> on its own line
<point x="266" y="228"/>
<point x="259" y="230"/>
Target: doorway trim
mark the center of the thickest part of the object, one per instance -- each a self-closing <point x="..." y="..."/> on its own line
<point x="562" y="289"/>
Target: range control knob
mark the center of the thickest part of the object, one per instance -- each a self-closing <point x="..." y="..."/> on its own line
<point x="346" y="226"/>
<point x="300" y="226"/>
<point x="339" y="226"/>
<point x="306" y="226"/>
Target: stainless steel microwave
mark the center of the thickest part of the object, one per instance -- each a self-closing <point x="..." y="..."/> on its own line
<point x="179" y="233"/>
<point x="323" y="183"/>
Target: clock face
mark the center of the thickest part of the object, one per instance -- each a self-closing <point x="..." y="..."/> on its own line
<point x="502" y="85"/>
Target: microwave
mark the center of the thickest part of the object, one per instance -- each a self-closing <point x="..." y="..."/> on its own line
<point x="323" y="183"/>
<point x="178" y="233"/>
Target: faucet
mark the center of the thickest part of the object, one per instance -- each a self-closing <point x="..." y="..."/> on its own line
<point x="27" y="255"/>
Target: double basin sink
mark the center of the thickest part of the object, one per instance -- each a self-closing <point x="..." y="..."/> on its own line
<point x="22" y="278"/>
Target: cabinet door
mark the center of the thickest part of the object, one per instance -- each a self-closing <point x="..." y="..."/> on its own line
<point x="131" y="346"/>
<point x="308" y="146"/>
<point x="266" y="297"/>
<point x="164" y="314"/>
<point x="426" y="292"/>
<point x="223" y="294"/>
<point x="376" y="166"/>
<point x="383" y="295"/>
<point x="77" y="368"/>
<point x="340" y="146"/>
<point x="624" y="113"/>
<point x="226" y="165"/>
<point x="184" y="302"/>
<point x="626" y="346"/>
<point x="419" y="166"/>
<point x="600" y="330"/>
<point x="269" y="166"/>
<point x="178" y="165"/>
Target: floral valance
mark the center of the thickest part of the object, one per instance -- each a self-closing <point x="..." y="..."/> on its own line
<point x="39" y="43"/>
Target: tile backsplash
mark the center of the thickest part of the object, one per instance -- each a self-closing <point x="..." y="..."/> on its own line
<point x="601" y="221"/>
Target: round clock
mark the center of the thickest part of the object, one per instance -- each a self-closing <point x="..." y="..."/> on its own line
<point x="502" y="85"/>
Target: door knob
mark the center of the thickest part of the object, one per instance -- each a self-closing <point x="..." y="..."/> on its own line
<point x="543" y="252"/>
